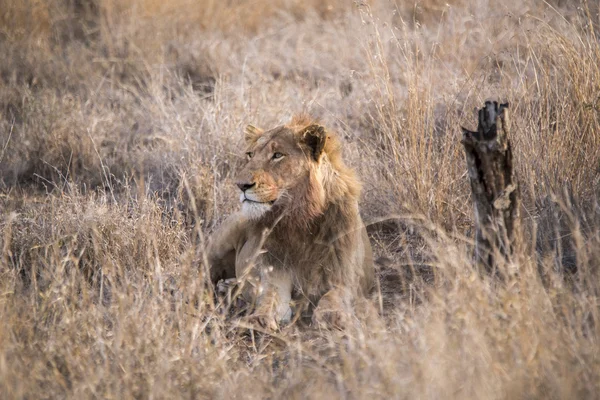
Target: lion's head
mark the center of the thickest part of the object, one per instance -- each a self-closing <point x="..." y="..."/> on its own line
<point x="296" y="168"/>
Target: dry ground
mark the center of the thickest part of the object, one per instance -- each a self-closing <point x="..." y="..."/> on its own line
<point x="120" y="131"/>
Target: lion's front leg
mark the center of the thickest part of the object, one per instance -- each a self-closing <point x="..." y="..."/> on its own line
<point x="272" y="306"/>
<point x="334" y="310"/>
<point x="268" y="289"/>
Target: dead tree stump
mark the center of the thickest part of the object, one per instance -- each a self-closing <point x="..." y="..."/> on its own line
<point x="494" y="187"/>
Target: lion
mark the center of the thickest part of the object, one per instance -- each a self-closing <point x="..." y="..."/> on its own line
<point x="299" y="235"/>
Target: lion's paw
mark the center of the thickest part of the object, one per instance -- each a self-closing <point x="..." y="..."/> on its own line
<point x="266" y="317"/>
<point x="331" y="313"/>
<point x="266" y="322"/>
<point x="331" y="319"/>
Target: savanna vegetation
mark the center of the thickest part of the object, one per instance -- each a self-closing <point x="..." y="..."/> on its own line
<point x="120" y="133"/>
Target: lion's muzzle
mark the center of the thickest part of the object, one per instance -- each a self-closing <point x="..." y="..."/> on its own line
<point x="245" y="185"/>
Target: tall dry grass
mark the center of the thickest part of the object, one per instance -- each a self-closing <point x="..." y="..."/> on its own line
<point x="120" y="131"/>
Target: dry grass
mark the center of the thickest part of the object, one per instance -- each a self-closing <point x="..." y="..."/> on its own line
<point x="120" y="126"/>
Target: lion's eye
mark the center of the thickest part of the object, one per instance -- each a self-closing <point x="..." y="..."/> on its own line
<point x="277" y="156"/>
<point x="249" y="154"/>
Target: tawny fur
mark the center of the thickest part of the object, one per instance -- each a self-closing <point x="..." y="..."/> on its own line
<point x="312" y="232"/>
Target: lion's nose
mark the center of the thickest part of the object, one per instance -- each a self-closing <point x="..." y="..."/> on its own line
<point x="245" y="186"/>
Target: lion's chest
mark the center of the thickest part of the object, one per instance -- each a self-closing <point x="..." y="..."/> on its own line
<point x="314" y="265"/>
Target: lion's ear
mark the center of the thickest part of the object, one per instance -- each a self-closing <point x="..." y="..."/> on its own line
<point x="252" y="133"/>
<point x="314" y="136"/>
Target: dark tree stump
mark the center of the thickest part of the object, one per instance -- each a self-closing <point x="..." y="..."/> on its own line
<point x="494" y="187"/>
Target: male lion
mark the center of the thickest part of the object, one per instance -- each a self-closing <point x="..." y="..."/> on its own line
<point x="299" y="234"/>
